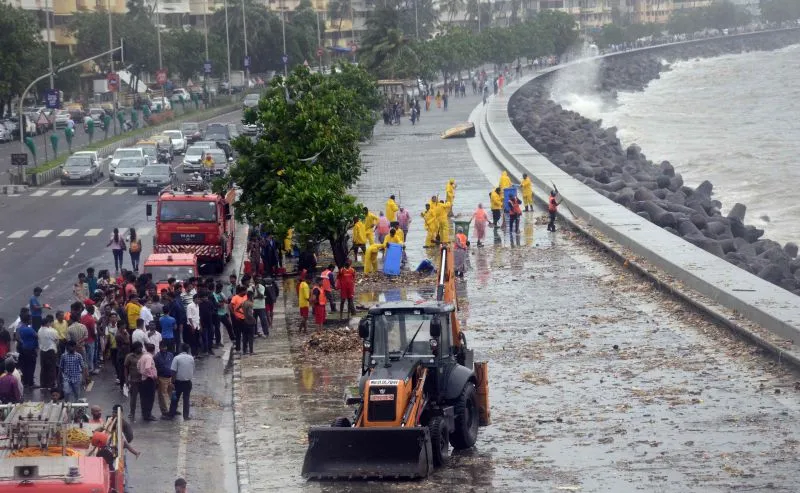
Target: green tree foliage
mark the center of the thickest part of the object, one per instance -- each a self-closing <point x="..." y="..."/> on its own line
<point x="90" y="29"/>
<point x="719" y="15"/>
<point x="560" y="28"/>
<point x="780" y="10"/>
<point x="296" y="175"/>
<point x="21" y="56"/>
<point x="385" y="49"/>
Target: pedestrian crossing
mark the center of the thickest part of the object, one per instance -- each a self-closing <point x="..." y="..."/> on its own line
<point x="80" y="192"/>
<point x="65" y="233"/>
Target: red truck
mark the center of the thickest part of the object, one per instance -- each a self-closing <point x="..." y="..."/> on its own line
<point x="195" y="222"/>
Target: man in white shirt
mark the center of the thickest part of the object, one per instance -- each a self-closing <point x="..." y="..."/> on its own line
<point x="155" y="338"/>
<point x="48" y="353"/>
<point x="147" y="315"/>
<point x="193" y="318"/>
<point x="139" y="335"/>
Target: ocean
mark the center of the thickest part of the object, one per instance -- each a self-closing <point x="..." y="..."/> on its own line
<point x="733" y="120"/>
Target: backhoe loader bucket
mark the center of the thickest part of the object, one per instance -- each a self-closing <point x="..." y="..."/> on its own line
<point x="347" y="453"/>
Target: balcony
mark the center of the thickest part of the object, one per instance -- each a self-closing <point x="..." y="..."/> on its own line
<point x="64" y="7"/>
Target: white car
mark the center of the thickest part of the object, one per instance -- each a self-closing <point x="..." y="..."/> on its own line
<point x="192" y="160"/>
<point x="123" y="153"/>
<point x="178" y="140"/>
<point x="179" y="95"/>
<point x="163" y="102"/>
<point x="94" y="156"/>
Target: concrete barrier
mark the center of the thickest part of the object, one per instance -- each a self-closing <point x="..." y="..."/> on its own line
<point x="770" y="306"/>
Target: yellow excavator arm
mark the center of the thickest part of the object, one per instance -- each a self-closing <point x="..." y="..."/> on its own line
<point x="446" y="289"/>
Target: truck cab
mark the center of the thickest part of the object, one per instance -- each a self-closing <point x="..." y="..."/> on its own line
<point x="165" y="266"/>
<point x="199" y="223"/>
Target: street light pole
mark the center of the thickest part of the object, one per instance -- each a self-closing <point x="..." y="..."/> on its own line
<point x="416" y="18"/>
<point x="247" y="66"/>
<point x="49" y="44"/>
<point x="111" y="58"/>
<point x="228" y="46"/>
<point x="158" y="36"/>
<point x="205" y="29"/>
<point x="283" y="32"/>
<point x="319" y="44"/>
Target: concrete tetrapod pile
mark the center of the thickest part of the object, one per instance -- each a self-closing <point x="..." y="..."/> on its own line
<point x="595" y="156"/>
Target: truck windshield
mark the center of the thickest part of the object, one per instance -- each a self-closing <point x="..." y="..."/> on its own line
<point x="396" y="329"/>
<point x="188" y="211"/>
<point x="165" y="272"/>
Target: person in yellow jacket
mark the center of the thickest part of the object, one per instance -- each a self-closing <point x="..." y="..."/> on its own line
<point x="527" y="191"/>
<point x="371" y="258"/>
<point x="430" y="226"/>
<point x="394" y="236"/>
<point x="391" y="211"/>
<point x="359" y="237"/>
<point x="450" y="191"/>
<point x="287" y="242"/>
<point x="443" y="221"/>
<point x="505" y="181"/>
<point x="496" y="205"/>
<point x="370" y="221"/>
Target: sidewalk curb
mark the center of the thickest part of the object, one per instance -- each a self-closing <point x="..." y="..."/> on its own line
<point x="242" y="466"/>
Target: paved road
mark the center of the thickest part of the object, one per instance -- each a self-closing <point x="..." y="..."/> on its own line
<point x="597" y="382"/>
<point x="49" y="235"/>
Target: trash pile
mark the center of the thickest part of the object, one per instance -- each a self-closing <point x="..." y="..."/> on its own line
<point x="341" y="340"/>
<point x="380" y="281"/>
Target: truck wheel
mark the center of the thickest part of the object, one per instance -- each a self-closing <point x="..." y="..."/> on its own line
<point x="466" y="414"/>
<point x="439" y="441"/>
<point x="341" y="422"/>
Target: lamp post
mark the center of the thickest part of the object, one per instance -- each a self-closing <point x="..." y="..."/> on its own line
<point x="246" y="65"/>
<point x="228" y="46"/>
<point x="111" y="59"/>
<point x="158" y="36"/>
<point x="49" y="45"/>
<point x="205" y="32"/>
<point x="283" y="33"/>
<point x="416" y="18"/>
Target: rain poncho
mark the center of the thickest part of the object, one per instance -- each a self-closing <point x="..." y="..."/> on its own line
<point x="505" y="181"/>
<point x="527" y="191"/>
<point x="370" y="221"/>
<point x="391" y="210"/>
<point x="359" y="234"/>
<point x="481" y="220"/>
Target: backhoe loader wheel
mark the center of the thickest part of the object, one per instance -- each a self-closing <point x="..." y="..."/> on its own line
<point x="341" y="422"/>
<point x="439" y="441"/>
<point x="466" y="414"/>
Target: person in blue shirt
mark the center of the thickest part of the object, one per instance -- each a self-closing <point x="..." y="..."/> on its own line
<point x="36" y="308"/>
<point x="28" y="344"/>
<point x="178" y="312"/>
<point x="91" y="281"/>
<point x="168" y="326"/>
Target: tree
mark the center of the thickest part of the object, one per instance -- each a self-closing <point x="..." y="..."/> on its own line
<point x="366" y="95"/>
<point x="90" y="29"/>
<point x="338" y="11"/>
<point x="385" y="49"/>
<point x="21" y="56"/>
<point x="296" y="175"/>
<point x="183" y="52"/>
<point x="560" y="27"/>
<point x="779" y="11"/>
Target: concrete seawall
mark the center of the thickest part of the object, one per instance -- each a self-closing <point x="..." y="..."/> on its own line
<point x="766" y="304"/>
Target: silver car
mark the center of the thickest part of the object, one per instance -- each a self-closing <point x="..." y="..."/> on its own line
<point x="80" y="169"/>
<point x="128" y="171"/>
<point x="154" y="178"/>
<point x="192" y="160"/>
<point x="122" y="153"/>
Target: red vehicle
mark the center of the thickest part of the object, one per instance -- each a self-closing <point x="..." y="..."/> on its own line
<point x="195" y="222"/>
<point x="163" y="266"/>
<point x="47" y="448"/>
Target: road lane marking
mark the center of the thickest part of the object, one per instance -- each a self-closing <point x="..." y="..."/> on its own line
<point x="10" y="243"/>
<point x="72" y="256"/>
<point x="68" y="232"/>
<point x="93" y="232"/>
<point x="59" y="271"/>
<point x="18" y="234"/>
<point x="59" y="193"/>
<point x="101" y="191"/>
<point x="119" y="191"/>
<point x="80" y="192"/>
<point x="1" y="233"/>
<point x="52" y="279"/>
<point x="3" y="249"/>
<point x="45" y="287"/>
<point x="66" y="263"/>
<point x="181" y="456"/>
<point x="39" y="193"/>
<point x="83" y="243"/>
<point x="43" y="233"/>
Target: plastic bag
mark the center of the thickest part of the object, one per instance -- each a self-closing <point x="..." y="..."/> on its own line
<point x="126" y="390"/>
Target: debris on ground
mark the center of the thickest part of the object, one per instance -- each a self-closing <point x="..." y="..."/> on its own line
<point x="341" y="340"/>
<point x="379" y="281"/>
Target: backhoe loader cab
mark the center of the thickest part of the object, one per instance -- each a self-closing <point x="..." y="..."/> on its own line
<point x="414" y="400"/>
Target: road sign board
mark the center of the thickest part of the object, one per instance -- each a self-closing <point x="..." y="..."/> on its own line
<point x="319" y="51"/>
<point x="42" y="120"/>
<point x="112" y="81"/>
<point x="19" y="159"/>
<point x="161" y="76"/>
<point x="53" y="98"/>
<point x="247" y="61"/>
<point x="207" y="67"/>
<point x="285" y="59"/>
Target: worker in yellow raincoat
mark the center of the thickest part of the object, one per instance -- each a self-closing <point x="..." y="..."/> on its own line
<point x="370" y="221"/>
<point x="287" y="242"/>
<point x="391" y="211"/>
<point x="371" y="258"/>
<point x="496" y="205"/>
<point x="359" y="237"/>
<point x="443" y="221"/>
<point x="429" y="217"/>
<point x="505" y="181"/>
<point x="450" y="191"/>
<point x="527" y="191"/>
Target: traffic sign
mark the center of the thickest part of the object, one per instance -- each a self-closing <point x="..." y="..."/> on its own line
<point x="207" y="67"/>
<point x="319" y="51"/>
<point x="112" y="81"/>
<point x="161" y="76"/>
<point x="247" y="61"/>
<point x="42" y="120"/>
<point x="285" y="58"/>
<point x="20" y="159"/>
<point x="53" y="98"/>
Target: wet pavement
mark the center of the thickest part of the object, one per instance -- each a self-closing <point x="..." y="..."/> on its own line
<point x="598" y="382"/>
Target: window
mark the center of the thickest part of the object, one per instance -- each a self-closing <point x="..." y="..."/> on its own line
<point x="188" y="211"/>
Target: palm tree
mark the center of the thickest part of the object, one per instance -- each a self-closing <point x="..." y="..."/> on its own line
<point x="452" y="7"/>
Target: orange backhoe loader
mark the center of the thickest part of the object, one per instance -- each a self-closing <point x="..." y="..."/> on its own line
<point x="419" y="393"/>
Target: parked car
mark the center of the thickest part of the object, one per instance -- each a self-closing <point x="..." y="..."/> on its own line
<point x="161" y="101"/>
<point x="80" y="169"/>
<point x="62" y="117"/>
<point x="191" y="131"/>
<point x="128" y="171"/>
<point x="178" y="140"/>
<point x="192" y="160"/>
<point x="180" y="94"/>
<point x="155" y="178"/>
<point x="122" y="153"/>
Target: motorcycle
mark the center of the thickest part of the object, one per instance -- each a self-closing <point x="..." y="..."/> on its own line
<point x="164" y="157"/>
